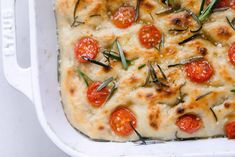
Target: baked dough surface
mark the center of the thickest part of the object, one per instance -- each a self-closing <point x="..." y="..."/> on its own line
<point x="156" y="110"/>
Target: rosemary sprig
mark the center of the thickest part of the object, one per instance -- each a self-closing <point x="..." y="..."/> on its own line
<point x="202" y="7"/>
<point x="162" y="72"/>
<point x="95" y="15"/>
<point x="122" y="55"/>
<point x="141" y="138"/>
<point x="86" y="78"/>
<point x="114" y="56"/>
<point x="233" y="90"/>
<point x="169" y="10"/>
<point x="161" y="43"/>
<point x="206" y="13"/>
<point x="181" y="95"/>
<point x="197" y="30"/>
<point x="152" y="74"/>
<point x="178" y="30"/>
<point x="203" y="96"/>
<point x="105" y="84"/>
<point x="186" y="61"/>
<point x="137" y="10"/>
<point x="189" y="39"/>
<point x="75" y="22"/>
<point x="213" y="112"/>
<point x="231" y="23"/>
<point x="142" y="66"/>
<point x="97" y="63"/>
<point x="220" y="9"/>
<point x="112" y="91"/>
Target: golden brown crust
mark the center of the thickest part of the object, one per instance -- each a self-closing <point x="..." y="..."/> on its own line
<point x="156" y="109"/>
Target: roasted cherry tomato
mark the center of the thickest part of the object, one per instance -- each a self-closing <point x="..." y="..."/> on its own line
<point x="149" y="36"/>
<point x="124" y="17"/>
<point x="86" y="47"/>
<point x="222" y="3"/>
<point x="232" y="4"/>
<point x="230" y="130"/>
<point x="231" y="54"/>
<point x="97" y="98"/>
<point x="189" y="123"/>
<point x="121" y="120"/>
<point x="199" y="71"/>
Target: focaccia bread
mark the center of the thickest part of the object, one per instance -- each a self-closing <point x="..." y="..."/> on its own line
<point x="155" y="69"/>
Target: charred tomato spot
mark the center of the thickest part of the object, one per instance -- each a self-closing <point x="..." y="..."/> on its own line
<point x="227" y="105"/>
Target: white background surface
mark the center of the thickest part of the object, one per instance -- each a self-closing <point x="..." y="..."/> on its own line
<point x="20" y="132"/>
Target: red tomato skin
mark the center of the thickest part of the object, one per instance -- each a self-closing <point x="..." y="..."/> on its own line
<point x="86" y="47"/>
<point x="97" y="98"/>
<point x="220" y="3"/>
<point x="232" y="4"/>
<point x="199" y="71"/>
<point x="189" y="123"/>
<point x="124" y="17"/>
<point x="149" y="36"/>
<point x="230" y="130"/>
<point x="120" y="121"/>
<point x="231" y="54"/>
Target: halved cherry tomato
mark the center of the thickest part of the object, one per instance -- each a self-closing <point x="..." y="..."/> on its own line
<point x="97" y="98"/>
<point x="231" y="54"/>
<point x="121" y="120"/>
<point x="222" y="3"/>
<point x="124" y="17"/>
<point x="199" y="71"/>
<point x="232" y="4"/>
<point x="189" y="123"/>
<point x="149" y="36"/>
<point x="86" y="47"/>
<point x="230" y="130"/>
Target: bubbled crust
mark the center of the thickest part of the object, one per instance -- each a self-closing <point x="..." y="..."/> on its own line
<point x="156" y="110"/>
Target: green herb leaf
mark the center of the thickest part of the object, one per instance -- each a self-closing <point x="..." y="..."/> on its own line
<point x="202" y="96"/>
<point x="163" y="74"/>
<point x="105" y="84"/>
<point x="220" y="9"/>
<point x="142" y="66"/>
<point x="213" y="112"/>
<point x="86" y="78"/>
<point x="112" y="91"/>
<point x="206" y="13"/>
<point x="178" y="30"/>
<point x="202" y="7"/>
<point x="186" y="61"/>
<point x="75" y="18"/>
<point x="122" y="55"/>
<point x="233" y="90"/>
<point x="137" y="10"/>
<point x="163" y="12"/>
<point x="97" y="63"/>
<point x="231" y="23"/>
<point x="114" y="56"/>
<point x="189" y="39"/>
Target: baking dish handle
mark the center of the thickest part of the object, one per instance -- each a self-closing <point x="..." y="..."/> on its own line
<point x="18" y="77"/>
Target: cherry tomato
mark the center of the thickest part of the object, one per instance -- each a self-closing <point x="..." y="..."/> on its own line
<point x="124" y="17"/>
<point x="230" y="130"/>
<point x="189" y="123"/>
<point x="231" y="54"/>
<point x="199" y="71"/>
<point x="221" y="3"/>
<point x="121" y="120"/>
<point x="232" y="4"/>
<point x="86" y="47"/>
<point x="149" y="36"/>
<point x="97" y="98"/>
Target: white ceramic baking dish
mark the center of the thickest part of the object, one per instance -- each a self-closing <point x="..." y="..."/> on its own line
<point x="40" y="84"/>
